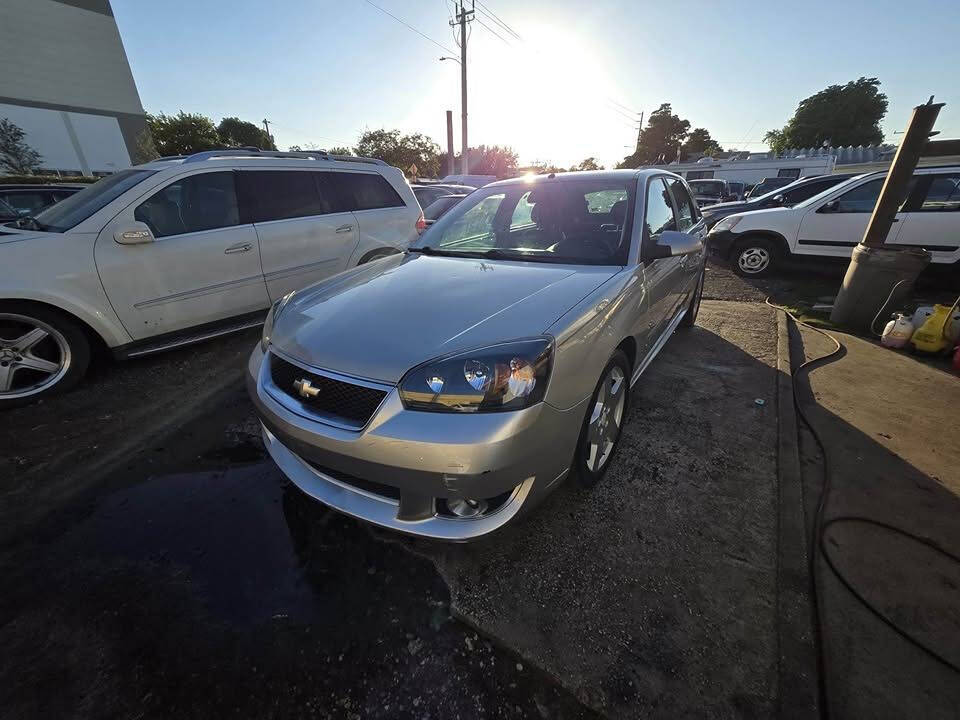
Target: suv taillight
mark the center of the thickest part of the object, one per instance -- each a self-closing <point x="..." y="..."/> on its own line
<point x="421" y="224"/>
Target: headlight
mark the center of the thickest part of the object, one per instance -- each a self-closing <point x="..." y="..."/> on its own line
<point x="728" y="223"/>
<point x="275" y="310"/>
<point x="510" y="376"/>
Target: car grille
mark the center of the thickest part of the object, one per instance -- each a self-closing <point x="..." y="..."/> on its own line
<point x="350" y="403"/>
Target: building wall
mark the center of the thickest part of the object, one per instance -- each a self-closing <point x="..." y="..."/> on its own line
<point x="66" y="82"/>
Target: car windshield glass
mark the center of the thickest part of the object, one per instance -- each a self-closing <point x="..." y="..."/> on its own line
<point x="707" y="187"/>
<point x="78" y="207"/>
<point x="827" y="191"/>
<point x="579" y="222"/>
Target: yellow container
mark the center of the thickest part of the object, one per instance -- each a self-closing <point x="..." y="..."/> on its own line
<point x="930" y="337"/>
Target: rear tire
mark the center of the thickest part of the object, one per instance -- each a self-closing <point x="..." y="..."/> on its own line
<point x="42" y="352"/>
<point x="755" y="256"/>
<point x="377" y="255"/>
<point x="603" y="423"/>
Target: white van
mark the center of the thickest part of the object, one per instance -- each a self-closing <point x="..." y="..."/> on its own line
<point x="182" y="249"/>
<point x="832" y="223"/>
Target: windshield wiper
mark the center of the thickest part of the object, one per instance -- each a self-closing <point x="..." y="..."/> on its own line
<point x="424" y="249"/>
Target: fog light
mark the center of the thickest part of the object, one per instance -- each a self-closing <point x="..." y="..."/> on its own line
<point x="466" y="508"/>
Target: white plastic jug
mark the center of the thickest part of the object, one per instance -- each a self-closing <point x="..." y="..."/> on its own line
<point x="897" y="332"/>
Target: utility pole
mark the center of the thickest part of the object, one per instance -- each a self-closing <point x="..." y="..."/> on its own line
<point x="266" y="129"/>
<point x="450" y="168"/>
<point x="464" y="16"/>
<point x="640" y="131"/>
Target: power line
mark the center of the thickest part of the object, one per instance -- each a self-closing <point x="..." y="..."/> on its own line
<point x="411" y="27"/>
<point x="493" y="16"/>
<point x="494" y="32"/>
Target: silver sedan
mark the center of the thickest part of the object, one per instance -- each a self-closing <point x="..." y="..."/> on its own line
<point x="444" y="391"/>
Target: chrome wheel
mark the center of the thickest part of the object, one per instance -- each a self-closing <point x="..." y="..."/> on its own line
<point x="606" y="419"/>
<point x="753" y="260"/>
<point x="34" y="356"/>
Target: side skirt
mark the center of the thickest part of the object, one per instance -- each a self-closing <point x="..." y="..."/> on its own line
<point x="661" y="341"/>
<point x="179" y="338"/>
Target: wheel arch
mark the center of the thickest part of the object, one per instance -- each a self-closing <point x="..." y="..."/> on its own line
<point x="98" y="339"/>
<point x="780" y="241"/>
<point x="384" y="251"/>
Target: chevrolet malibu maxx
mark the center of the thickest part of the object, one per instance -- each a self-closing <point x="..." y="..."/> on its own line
<point x="445" y="391"/>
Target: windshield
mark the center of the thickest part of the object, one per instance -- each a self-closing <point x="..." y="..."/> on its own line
<point x="579" y="222"/>
<point x="78" y="207"/>
<point x="712" y="188"/>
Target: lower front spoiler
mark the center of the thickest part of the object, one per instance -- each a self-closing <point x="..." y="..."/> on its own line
<point x="381" y="510"/>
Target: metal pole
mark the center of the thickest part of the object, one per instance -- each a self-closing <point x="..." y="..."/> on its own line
<point x="464" y="158"/>
<point x="450" y="168"/>
<point x="894" y="190"/>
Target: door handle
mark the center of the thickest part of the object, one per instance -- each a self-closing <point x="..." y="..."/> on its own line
<point x="344" y="228"/>
<point x="238" y="248"/>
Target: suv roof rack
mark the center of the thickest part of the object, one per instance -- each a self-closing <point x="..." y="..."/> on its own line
<point x="254" y="152"/>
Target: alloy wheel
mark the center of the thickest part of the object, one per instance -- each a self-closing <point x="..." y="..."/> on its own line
<point x="606" y="419"/>
<point x="33" y="356"/>
<point x="753" y="260"/>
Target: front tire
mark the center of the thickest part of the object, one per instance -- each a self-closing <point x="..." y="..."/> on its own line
<point x="755" y="257"/>
<point x="603" y="424"/>
<point x="42" y="352"/>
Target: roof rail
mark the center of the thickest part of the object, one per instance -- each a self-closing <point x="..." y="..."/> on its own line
<point x="253" y="152"/>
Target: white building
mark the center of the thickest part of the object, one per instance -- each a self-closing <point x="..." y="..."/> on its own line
<point x="66" y="83"/>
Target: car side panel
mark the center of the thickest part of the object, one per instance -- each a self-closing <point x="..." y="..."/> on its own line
<point x="588" y="333"/>
<point x="394" y="227"/>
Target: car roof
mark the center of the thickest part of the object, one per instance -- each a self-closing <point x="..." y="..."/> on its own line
<point x="253" y="157"/>
<point x="39" y="186"/>
<point x="572" y="176"/>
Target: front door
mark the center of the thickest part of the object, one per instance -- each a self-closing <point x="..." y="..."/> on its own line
<point x="835" y="225"/>
<point x="933" y="218"/>
<point x="305" y="232"/>
<point x="204" y="265"/>
<point x="664" y="277"/>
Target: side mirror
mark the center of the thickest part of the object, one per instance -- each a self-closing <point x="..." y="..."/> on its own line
<point x="779" y="199"/>
<point x="136" y="233"/>
<point x="671" y="243"/>
<point x="831" y="206"/>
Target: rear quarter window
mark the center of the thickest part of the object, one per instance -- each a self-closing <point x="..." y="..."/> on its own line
<point x="366" y="191"/>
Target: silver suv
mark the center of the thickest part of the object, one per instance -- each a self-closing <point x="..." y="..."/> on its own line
<point x="443" y="391"/>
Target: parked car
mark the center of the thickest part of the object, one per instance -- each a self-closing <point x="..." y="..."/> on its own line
<point x="768" y="184"/>
<point x="427" y="194"/>
<point x="31" y="199"/>
<point x="439" y="207"/>
<point x="710" y="192"/>
<point x="474" y="181"/>
<point x="446" y="390"/>
<point x="175" y="251"/>
<point x="832" y="223"/>
<point x="737" y="190"/>
<point x="787" y="196"/>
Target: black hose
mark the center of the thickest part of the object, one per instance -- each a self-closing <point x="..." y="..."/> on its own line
<point x="820" y="530"/>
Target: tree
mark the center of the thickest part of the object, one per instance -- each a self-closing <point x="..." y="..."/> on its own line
<point x="699" y="142"/>
<point x="183" y="133"/>
<point x="542" y="167"/>
<point x="589" y="164"/>
<point x="838" y="115"/>
<point x="497" y="160"/>
<point x="144" y="150"/>
<point x="16" y="156"/>
<point x="235" y="132"/>
<point x="659" y="140"/>
<point x="340" y="150"/>
<point x="402" y="151"/>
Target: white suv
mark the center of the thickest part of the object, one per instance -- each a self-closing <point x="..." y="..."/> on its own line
<point x="832" y="223"/>
<point x="182" y="249"/>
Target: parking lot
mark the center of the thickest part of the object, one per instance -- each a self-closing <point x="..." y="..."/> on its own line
<point x="158" y="564"/>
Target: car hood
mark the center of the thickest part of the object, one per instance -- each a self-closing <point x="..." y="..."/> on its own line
<point x="727" y="207"/>
<point x="8" y="235"/>
<point x="379" y="320"/>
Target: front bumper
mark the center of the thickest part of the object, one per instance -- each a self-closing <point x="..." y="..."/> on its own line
<point x="720" y="243"/>
<point x="400" y="470"/>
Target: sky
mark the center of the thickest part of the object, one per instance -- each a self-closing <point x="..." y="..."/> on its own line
<point x="568" y="85"/>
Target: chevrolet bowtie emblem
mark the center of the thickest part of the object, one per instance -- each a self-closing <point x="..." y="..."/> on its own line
<point x="306" y="388"/>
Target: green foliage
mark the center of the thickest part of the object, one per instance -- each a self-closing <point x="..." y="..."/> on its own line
<point x="589" y="164"/>
<point x="340" y="150"/>
<point x="540" y="167"/>
<point x="699" y="142"/>
<point x="838" y="115"/>
<point x="46" y="179"/>
<point x="235" y="132"/>
<point x="15" y="155"/>
<point x="183" y="133"/>
<point x="659" y="140"/>
<point x="490" y="160"/>
<point x="415" y="154"/>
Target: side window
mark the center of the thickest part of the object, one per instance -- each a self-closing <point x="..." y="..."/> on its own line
<point x="476" y="226"/>
<point x="193" y="204"/>
<point x="699" y="174"/>
<point x="285" y="194"/>
<point x="789" y="173"/>
<point x="943" y="194"/>
<point x="686" y="218"/>
<point x="659" y="211"/>
<point x="861" y="199"/>
<point x="366" y="191"/>
<point x="522" y="213"/>
<point x="807" y="191"/>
